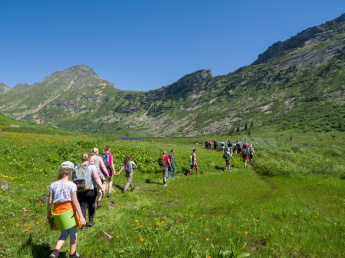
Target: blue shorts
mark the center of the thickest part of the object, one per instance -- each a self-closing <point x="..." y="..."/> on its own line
<point x="71" y="231"/>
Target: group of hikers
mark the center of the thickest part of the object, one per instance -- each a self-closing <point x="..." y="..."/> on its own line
<point x="245" y="150"/>
<point x="70" y="200"/>
<point x="89" y="183"/>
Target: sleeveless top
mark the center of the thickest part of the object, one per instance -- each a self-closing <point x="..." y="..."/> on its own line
<point x="96" y="164"/>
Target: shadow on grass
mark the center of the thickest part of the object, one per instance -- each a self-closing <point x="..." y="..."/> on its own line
<point x="185" y="171"/>
<point x="149" y="181"/>
<point x="42" y="250"/>
<point x="120" y="187"/>
<point x="220" y="168"/>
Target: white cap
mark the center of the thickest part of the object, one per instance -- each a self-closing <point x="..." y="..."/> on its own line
<point x="67" y="164"/>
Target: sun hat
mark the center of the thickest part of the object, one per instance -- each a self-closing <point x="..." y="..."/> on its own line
<point x="67" y="164"/>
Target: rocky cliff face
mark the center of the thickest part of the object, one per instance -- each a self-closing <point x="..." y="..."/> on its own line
<point x="185" y="85"/>
<point x="332" y="34"/>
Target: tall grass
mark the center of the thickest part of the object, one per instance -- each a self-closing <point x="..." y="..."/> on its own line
<point x="288" y="205"/>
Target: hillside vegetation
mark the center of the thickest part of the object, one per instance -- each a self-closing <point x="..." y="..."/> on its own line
<point x="290" y="204"/>
<point x="295" y="84"/>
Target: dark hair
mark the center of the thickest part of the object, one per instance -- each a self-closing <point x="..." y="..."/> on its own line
<point x="107" y="147"/>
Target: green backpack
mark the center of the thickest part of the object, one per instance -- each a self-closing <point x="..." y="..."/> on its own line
<point x="161" y="161"/>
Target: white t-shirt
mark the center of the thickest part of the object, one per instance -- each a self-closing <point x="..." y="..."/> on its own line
<point x="92" y="168"/>
<point x="62" y="191"/>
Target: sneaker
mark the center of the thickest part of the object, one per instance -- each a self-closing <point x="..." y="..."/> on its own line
<point x="91" y="223"/>
<point x="54" y="254"/>
<point x="124" y="191"/>
<point x="133" y="189"/>
<point x="99" y="204"/>
<point x="165" y="185"/>
<point x="83" y="228"/>
<point x="188" y="174"/>
<point x="109" y="195"/>
<point x="75" y="255"/>
<point x="103" y="196"/>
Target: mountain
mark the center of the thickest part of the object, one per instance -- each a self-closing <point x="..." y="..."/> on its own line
<point x="298" y="83"/>
<point x="3" y="88"/>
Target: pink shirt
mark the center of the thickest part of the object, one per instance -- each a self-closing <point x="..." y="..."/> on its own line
<point x="110" y="162"/>
<point x="166" y="158"/>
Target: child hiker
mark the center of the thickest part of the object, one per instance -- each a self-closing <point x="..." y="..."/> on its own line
<point x="63" y="194"/>
<point x="226" y="157"/>
<point x="128" y="165"/>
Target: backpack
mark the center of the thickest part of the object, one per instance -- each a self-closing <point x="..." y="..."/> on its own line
<point x="82" y="178"/>
<point x="105" y="157"/>
<point x="251" y="151"/>
<point x="244" y="152"/>
<point x="191" y="157"/>
<point x="225" y="155"/>
<point x="129" y="168"/>
<point x="161" y="161"/>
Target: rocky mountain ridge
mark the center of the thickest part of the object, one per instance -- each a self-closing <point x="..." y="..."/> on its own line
<point x="3" y="88"/>
<point x="294" y="84"/>
<point x="309" y="37"/>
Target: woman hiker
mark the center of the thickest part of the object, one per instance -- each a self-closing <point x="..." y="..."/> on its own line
<point x="102" y="170"/>
<point x="87" y="192"/>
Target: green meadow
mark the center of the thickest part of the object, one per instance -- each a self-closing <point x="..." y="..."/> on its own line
<point x="289" y="204"/>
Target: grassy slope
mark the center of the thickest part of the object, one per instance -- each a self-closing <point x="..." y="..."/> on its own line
<point x="275" y="216"/>
<point x="292" y="215"/>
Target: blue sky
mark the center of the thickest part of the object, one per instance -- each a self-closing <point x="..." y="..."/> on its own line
<point x="144" y="45"/>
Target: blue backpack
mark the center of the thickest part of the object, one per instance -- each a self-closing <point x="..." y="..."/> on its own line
<point x="129" y="168"/>
<point x="105" y="158"/>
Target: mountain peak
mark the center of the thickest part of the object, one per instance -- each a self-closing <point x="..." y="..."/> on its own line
<point x="77" y="69"/>
<point x="3" y="87"/>
<point x="82" y="68"/>
<point x="200" y="74"/>
<point x="20" y="86"/>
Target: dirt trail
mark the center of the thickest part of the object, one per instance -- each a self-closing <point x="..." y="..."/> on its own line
<point x="273" y="187"/>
